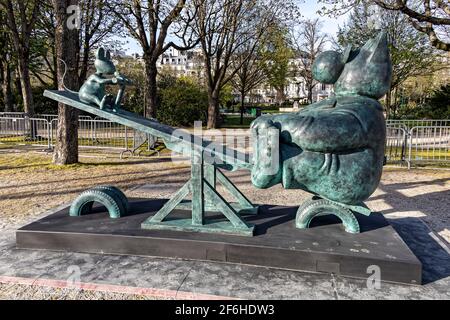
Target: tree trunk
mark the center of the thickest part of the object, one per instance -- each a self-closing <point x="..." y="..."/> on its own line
<point x="66" y="42"/>
<point x="242" y="107"/>
<point x="281" y="96"/>
<point x="151" y="73"/>
<point x="84" y="65"/>
<point x="388" y="103"/>
<point x="18" y="88"/>
<point x="310" y="92"/>
<point x="6" y="88"/>
<point x="395" y="105"/>
<point x="213" y="109"/>
<point x="25" y="83"/>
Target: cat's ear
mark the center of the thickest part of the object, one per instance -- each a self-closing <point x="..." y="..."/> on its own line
<point x="100" y="54"/>
<point x="108" y="55"/>
<point x="346" y="54"/>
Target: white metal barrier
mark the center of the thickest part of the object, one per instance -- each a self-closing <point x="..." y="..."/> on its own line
<point x="409" y="124"/>
<point x="429" y="144"/>
<point x="396" y="150"/>
<point x="403" y="145"/>
<point x="31" y="131"/>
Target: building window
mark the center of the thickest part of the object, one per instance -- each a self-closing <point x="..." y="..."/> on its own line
<point x="324" y="86"/>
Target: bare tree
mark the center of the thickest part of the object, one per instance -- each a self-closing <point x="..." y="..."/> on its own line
<point x="223" y="27"/>
<point x="148" y="22"/>
<point x="67" y="48"/>
<point x="309" y="41"/>
<point x="5" y="64"/>
<point x="433" y="14"/>
<point x="98" y="25"/>
<point x="250" y="73"/>
<point x="43" y="64"/>
<point x="21" y="17"/>
<point x="431" y="17"/>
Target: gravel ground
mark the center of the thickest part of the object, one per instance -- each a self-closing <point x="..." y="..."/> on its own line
<point x="30" y="186"/>
<point x="26" y="292"/>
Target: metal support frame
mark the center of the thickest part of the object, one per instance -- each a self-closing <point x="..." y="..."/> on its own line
<point x="205" y="199"/>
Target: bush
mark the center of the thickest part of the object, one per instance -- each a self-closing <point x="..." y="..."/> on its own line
<point x="182" y="104"/>
<point x="43" y="105"/>
<point x="435" y="107"/>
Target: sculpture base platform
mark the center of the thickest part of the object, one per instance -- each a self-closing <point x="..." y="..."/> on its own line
<point x="325" y="247"/>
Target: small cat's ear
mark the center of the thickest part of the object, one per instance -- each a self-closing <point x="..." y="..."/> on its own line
<point x="100" y="53"/>
<point x="108" y="55"/>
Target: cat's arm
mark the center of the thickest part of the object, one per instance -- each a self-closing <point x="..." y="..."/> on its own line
<point x="326" y="131"/>
<point x="324" y="104"/>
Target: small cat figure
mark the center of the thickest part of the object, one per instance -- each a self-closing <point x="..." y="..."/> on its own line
<point x="93" y="90"/>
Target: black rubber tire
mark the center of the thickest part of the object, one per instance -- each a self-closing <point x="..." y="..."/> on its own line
<point x="123" y="198"/>
<point x="313" y="208"/>
<point x="83" y="203"/>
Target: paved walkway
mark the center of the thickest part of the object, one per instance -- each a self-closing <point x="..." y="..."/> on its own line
<point x="415" y="202"/>
<point x="137" y="277"/>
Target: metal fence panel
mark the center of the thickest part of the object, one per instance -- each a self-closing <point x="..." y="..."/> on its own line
<point x="29" y="131"/>
<point x="409" y="124"/>
<point x="429" y="144"/>
<point x="396" y="144"/>
<point x="403" y="144"/>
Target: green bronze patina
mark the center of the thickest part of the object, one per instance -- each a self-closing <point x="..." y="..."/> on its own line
<point x="333" y="148"/>
<point x="111" y="197"/>
<point x="93" y="90"/>
<point x="205" y="175"/>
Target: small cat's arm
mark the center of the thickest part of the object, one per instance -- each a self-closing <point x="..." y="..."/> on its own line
<point x="102" y="80"/>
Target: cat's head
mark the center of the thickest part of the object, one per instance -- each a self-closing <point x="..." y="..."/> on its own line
<point x="365" y="72"/>
<point x="103" y="63"/>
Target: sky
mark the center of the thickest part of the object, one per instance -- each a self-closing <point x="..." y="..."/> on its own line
<point x="308" y="8"/>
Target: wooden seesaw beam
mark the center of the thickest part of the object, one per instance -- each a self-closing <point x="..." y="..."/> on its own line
<point x="204" y="175"/>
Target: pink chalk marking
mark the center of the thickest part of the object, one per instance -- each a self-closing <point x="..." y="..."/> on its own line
<point x="151" y="292"/>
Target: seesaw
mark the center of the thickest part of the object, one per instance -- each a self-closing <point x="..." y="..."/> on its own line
<point x="204" y="179"/>
<point x="204" y="176"/>
<point x="333" y="149"/>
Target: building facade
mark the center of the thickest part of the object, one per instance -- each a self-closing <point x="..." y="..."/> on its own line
<point x="190" y="64"/>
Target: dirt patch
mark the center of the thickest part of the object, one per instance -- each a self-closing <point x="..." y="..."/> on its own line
<point x="30" y="185"/>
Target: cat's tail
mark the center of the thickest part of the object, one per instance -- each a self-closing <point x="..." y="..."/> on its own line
<point x="64" y="77"/>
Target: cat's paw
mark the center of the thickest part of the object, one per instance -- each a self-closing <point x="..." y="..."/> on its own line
<point x="266" y="170"/>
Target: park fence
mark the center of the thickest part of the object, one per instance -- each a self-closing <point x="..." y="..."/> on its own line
<point x="93" y="133"/>
<point x="408" y="142"/>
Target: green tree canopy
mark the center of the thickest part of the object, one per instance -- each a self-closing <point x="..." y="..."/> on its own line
<point x="411" y="53"/>
<point x="276" y="52"/>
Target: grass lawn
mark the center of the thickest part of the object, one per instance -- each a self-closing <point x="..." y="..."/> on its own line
<point x="233" y="121"/>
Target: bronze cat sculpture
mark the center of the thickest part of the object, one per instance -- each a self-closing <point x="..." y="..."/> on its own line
<point x="333" y="148"/>
<point x="93" y="91"/>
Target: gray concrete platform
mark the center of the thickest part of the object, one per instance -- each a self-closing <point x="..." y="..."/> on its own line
<point x="277" y="243"/>
<point x="173" y="278"/>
